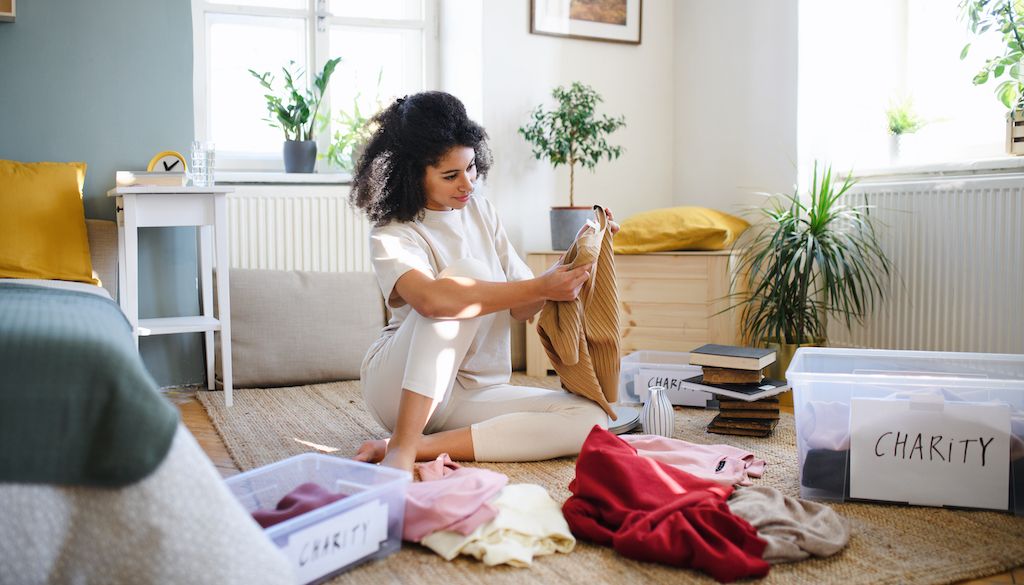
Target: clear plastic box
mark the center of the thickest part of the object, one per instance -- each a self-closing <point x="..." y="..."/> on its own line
<point x="920" y="391"/>
<point x="365" y="525"/>
<point x="665" y="367"/>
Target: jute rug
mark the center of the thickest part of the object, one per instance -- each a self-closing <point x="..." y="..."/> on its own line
<point x="890" y="544"/>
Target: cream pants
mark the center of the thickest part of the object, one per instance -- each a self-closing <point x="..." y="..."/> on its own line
<point x="508" y="423"/>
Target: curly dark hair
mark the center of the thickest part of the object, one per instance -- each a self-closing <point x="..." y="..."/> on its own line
<point x="413" y="133"/>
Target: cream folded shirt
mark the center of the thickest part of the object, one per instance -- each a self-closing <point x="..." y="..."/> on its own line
<point x="529" y="524"/>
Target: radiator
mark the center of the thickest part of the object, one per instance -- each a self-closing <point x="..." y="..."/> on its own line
<point x="957" y="245"/>
<point x="296" y="227"/>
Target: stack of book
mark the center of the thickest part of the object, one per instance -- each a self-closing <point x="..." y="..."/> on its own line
<point x="747" y="400"/>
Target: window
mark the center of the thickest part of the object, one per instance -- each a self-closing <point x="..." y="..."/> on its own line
<point x="855" y="58"/>
<point x="388" y="49"/>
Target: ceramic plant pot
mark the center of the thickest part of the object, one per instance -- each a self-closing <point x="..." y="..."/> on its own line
<point x="299" y="156"/>
<point x="784" y="353"/>
<point x="657" y="417"/>
<point x="566" y="223"/>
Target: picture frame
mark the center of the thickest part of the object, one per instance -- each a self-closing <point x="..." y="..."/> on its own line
<point x="615" y="21"/>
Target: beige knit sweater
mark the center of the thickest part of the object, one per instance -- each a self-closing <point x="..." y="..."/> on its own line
<point x="581" y="337"/>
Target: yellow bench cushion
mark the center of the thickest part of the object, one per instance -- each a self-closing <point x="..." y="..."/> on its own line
<point x="678" y="228"/>
<point x="42" y="222"/>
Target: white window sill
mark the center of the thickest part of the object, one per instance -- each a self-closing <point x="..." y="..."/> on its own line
<point x="990" y="166"/>
<point x="278" y="178"/>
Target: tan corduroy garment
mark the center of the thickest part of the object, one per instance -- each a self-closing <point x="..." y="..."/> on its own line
<point x="581" y="337"/>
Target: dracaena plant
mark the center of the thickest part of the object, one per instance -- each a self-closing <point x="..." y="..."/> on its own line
<point x="1003" y="17"/>
<point x="572" y="134"/>
<point x="295" y="111"/>
<point x="809" y="258"/>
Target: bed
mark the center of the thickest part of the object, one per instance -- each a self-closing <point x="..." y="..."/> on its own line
<point x="99" y="480"/>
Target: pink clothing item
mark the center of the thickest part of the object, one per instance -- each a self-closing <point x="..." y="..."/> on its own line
<point x="449" y="497"/>
<point x="722" y="464"/>
<point x="306" y="497"/>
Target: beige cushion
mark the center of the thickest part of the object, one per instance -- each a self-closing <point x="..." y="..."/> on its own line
<point x="103" y="249"/>
<point x="291" y="327"/>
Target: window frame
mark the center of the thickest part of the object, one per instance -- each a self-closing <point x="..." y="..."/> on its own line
<point x="318" y="25"/>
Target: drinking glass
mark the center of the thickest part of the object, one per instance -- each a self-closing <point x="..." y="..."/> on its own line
<point x="202" y="160"/>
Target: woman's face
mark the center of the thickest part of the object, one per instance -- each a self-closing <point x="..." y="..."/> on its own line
<point x="450" y="182"/>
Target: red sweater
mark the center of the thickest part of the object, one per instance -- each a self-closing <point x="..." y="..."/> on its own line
<point x="653" y="512"/>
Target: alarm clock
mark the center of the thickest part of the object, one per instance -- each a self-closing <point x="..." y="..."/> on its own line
<point x="168" y="161"/>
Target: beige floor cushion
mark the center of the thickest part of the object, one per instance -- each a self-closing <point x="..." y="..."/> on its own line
<point x="291" y="327"/>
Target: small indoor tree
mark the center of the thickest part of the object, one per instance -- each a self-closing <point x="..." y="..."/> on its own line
<point x="571" y="134"/>
<point x="1002" y="17"/>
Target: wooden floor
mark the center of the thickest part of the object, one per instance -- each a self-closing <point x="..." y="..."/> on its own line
<point x="197" y="421"/>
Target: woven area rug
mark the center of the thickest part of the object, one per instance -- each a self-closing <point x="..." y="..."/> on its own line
<point x="890" y="544"/>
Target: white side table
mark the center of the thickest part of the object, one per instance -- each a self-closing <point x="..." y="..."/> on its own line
<point x="169" y="206"/>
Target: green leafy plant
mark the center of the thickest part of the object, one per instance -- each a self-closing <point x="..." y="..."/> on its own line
<point x="808" y="259"/>
<point x="572" y="133"/>
<point x="1004" y="17"/>
<point x="295" y="112"/>
<point x="352" y="131"/>
<point x="902" y="118"/>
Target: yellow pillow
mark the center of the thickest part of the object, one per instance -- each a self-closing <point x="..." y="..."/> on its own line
<point x="678" y="228"/>
<point x="42" y="222"/>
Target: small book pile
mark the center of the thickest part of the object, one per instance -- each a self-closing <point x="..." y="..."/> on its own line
<point x="751" y="419"/>
<point x="747" y="401"/>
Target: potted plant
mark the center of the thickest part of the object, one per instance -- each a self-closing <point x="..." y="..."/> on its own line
<point x="571" y="134"/>
<point x="902" y="120"/>
<point x="295" y="112"/>
<point x="1002" y="16"/>
<point x="352" y="131"/>
<point x="809" y="258"/>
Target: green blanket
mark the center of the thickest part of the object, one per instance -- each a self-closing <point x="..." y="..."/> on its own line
<point x="77" y="406"/>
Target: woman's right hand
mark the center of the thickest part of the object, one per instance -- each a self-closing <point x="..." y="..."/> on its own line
<point x="562" y="283"/>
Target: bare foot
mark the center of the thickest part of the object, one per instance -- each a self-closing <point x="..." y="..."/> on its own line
<point x="372" y="451"/>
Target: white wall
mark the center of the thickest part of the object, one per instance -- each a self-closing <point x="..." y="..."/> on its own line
<point x="736" y="101"/>
<point x="710" y="99"/>
<point x="520" y="69"/>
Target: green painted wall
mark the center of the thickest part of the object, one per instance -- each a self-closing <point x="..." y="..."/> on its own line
<point x="110" y="83"/>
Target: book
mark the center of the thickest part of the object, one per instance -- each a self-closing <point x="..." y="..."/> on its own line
<point x="730" y="356"/>
<point x="730" y="375"/>
<point x="735" y="423"/>
<point x="742" y="432"/>
<point x="749" y="392"/>
<point x="763" y="404"/>
<point x="136" y="178"/>
<point x="752" y="414"/>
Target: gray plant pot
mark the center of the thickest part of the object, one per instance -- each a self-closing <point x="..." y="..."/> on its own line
<point x="566" y="223"/>
<point x="299" y="156"/>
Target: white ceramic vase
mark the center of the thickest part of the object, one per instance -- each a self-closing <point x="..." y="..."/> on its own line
<point x="657" y="417"/>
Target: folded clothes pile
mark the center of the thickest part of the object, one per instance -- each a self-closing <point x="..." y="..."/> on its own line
<point x="469" y="511"/>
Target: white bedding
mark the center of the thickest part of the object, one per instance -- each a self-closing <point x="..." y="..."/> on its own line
<point x="61" y="284"/>
<point x="180" y="524"/>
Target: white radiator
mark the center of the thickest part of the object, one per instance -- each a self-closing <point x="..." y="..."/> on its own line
<point x="957" y="245"/>
<point x="297" y="227"/>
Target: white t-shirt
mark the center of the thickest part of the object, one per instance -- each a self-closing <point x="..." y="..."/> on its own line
<point x="430" y="245"/>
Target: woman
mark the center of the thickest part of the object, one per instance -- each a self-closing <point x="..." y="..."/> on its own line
<point x="437" y="378"/>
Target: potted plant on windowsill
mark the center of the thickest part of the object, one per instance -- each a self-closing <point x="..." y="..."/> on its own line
<point x="295" y="113"/>
<point x="352" y="130"/>
<point x="571" y="134"/>
<point x="1001" y="16"/>
<point x="902" y="121"/>
<point x="808" y="259"/>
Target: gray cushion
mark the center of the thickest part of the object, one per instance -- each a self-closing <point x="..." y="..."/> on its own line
<point x="292" y="327"/>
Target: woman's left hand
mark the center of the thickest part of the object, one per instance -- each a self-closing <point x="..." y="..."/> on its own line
<point x="611" y="221"/>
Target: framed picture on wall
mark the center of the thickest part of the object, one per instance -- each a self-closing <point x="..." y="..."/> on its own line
<point x="617" y="21"/>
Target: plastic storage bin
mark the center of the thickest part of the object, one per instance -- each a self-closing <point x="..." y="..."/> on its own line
<point x="365" y="525"/>
<point x="642" y="369"/>
<point x="915" y="427"/>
